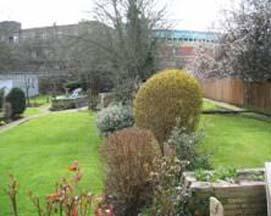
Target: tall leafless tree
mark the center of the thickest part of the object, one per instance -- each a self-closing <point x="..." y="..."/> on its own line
<point x="128" y="44"/>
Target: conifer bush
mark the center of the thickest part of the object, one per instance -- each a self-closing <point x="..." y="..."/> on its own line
<point x="17" y="100"/>
<point x="166" y="97"/>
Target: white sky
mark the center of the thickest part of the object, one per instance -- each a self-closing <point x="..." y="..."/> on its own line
<point x="185" y="14"/>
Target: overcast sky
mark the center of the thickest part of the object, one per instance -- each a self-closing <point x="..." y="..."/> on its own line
<point x="185" y="14"/>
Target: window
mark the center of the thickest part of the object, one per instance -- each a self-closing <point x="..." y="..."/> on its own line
<point x="10" y="39"/>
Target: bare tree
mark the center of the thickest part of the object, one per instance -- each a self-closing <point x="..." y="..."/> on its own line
<point x="207" y="61"/>
<point x="8" y="57"/>
<point x="45" y="56"/>
<point x="246" y="44"/>
<point x="128" y="45"/>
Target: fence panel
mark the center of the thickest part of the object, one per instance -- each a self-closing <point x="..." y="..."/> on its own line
<point x="256" y="96"/>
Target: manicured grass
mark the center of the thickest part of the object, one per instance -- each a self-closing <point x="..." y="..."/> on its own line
<point x="30" y="111"/>
<point x="237" y="141"/>
<point x="39" y="153"/>
<point x="40" y="100"/>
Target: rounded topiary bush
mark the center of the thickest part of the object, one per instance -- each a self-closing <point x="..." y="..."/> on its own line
<point x="17" y="100"/>
<point x="165" y="98"/>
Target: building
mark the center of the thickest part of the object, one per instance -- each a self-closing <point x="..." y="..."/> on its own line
<point x="41" y="44"/>
<point x="187" y="36"/>
<point x="10" y="31"/>
<point x="28" y="82"/>
<point x="178" y="51"/>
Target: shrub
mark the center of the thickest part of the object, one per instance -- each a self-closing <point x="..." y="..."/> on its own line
<point x="67" y="198"/>
<point x="187" y="148"/>
<point x="228" y="174"/>
<point x="165" y="97"/>
<point x="170" y="196"/>
<point x="129" y="155"/>
<point x="115" y="117"/>
<point x="75" y="84"/>
<point x="1" y="99"/>
<point x="16" y="98"/>
<point x="125" y="91"/>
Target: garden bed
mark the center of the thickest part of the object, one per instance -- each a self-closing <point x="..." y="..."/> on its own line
<point x="245" y="196"/>
<point x="63" y="102"/>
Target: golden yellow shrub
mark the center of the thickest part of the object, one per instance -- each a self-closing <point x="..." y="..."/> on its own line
<point x="166" y="97"/>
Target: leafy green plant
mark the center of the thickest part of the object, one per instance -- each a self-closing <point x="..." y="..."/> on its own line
<point x="186" y="145"/>
<point x="16" y="98"/>
<point x="115" y="117"/>
<point x="170" y="196"/>
<point x="165" y="97"/>
<point x="221" y="174"/>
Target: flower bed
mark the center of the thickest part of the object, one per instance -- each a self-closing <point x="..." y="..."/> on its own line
<point x="244" y="196"/>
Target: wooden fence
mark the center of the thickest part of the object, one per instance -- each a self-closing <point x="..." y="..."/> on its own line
<point x="256" y="96"/>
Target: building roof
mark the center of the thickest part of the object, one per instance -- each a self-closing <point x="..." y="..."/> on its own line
<point x="187" y="35"/>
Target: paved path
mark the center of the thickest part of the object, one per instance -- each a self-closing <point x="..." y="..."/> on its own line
<point x="226" y="106"/>
<point x="45" y="111"/>
<point x="243" y="111"/>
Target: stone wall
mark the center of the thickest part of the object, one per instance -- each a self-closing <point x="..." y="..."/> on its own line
<point x="244" y="198"/>
<point x="69" y="103"/>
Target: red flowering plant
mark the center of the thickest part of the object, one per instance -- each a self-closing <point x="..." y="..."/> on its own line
<point x="65" y="201"/>
<point x="105" y="207"/>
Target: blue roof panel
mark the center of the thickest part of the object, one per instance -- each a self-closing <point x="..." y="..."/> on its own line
<point x="184" y="34"/>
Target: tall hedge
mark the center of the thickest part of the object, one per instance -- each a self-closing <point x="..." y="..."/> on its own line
<point x="16" y="98"/>
<point x="166" y="97"/>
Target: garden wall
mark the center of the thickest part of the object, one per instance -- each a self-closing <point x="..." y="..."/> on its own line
<point x="256" y="96"/>
<point x="246" y="198"/>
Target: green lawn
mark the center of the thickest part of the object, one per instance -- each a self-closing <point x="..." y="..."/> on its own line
<point x="39" y="152"/>
<point x="30" y="111"/>
<point x="40" y="100"/>
<point x="236" y="140"/>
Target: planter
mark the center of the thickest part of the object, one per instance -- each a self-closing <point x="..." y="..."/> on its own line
<point x="242" y="198"/>
<point x="63" y="103"/>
